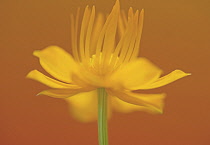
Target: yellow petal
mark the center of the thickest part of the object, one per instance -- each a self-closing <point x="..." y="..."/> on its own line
<point x="173" y="76"/>
<point x="62" y="93"/>
<point x="124" y="107"/>
<point x="153" y="102"/>
<point x="134" y="74"/>
<point x="84" y="106"/>
<point x="87" y="79"/>
<point x="38" y="76"/>
<point x="57" y="62"/>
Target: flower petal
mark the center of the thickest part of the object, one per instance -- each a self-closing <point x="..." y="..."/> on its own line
<point x="153" y="102"/>
<point x="173" y="76"/>
<point x="87" y="79"/>
<point x="124" y="107"/>
<point x="38" y="76"/>
<point x="83" y="106"/>
<point x="57" y="62"/>
<point x="62" y="93"/>
<point x="135" y="73"/>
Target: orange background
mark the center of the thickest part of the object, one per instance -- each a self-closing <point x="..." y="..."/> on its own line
<point x="176" y="34"/>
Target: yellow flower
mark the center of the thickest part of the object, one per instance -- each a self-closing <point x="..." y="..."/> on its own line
<point x="105" y="55"/>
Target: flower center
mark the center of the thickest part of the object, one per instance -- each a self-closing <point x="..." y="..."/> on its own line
<point x="101" y="67"/>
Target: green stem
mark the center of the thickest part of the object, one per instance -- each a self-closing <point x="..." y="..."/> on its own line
<point x="102" y="117"/>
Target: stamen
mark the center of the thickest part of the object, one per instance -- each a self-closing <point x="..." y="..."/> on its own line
<point x="95" y="34"/>
<point x="133" y="39"/>
<point x="74" y="31"/>
<point x="101" y="40"/>
<point x="109" y="40"/>
<point x="83" y="32"/>
<point x="114" y="61"/>
<point x="138" y="38"/>
<point x="124" y="18"/>
<point x="73" y="35"/>
<point x="127" y="38"/>
<point x="89" y="33"/>
<point x="76" y="36"/>
<point x="121" y="27"/>
<point x="130" y="13"/>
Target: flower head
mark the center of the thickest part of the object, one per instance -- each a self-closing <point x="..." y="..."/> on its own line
<point x="105" y="55"/>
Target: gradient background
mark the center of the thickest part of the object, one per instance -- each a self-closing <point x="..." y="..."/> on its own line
<point x="176" y="34"/>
